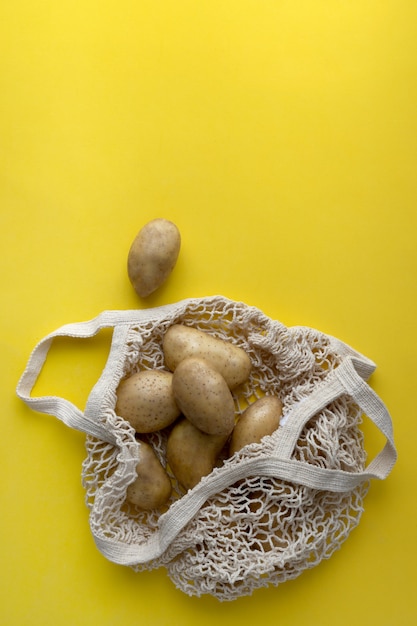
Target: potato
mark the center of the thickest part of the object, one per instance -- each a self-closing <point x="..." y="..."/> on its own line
<point x="153" y="255"/>
<point x="231" y="361"/>
<point x="192" y="454"/>
<point x="259" y="419"/>
<point x="146" y="400"/>
<point x="152" y="487"/>
<point x="203" y="396"/>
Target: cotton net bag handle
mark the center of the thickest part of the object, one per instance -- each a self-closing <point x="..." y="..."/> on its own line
<point x="61" y="408"/>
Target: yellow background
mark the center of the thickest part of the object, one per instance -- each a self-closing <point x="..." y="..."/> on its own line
<point x="281" y="137"/>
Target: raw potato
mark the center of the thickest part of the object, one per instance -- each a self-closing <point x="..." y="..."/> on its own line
<point x="260" y="418"/>
<point x="152" y="487"/>
<point x="146" y="400"/>
<point x="231" y="361"/>
<point x="192" y="454"/>
<point x="153" y="255"/>
<point x="203" y="396"/>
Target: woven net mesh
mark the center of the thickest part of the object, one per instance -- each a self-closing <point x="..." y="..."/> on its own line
<point x="261" y="530"/>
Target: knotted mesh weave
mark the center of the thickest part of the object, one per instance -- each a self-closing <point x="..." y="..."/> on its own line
<point x="259" y="530"/>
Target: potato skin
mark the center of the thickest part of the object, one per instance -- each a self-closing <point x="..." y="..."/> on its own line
<point x="231" y="361"/>
<point x="152" y="487"/>
<point x="153" y="255"/>
<point x="146" y="400"/>
<point x="260" y="419"/>
<point x="192" y="454"/>
<point x="203" y="396"/>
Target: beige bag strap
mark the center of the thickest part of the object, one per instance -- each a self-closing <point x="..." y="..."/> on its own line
<point x="119" y="320"/>
<point x="345" y="379"/>
<point x="61" y="408"/>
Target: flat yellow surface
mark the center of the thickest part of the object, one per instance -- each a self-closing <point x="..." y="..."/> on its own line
<point x="281" y="137"/>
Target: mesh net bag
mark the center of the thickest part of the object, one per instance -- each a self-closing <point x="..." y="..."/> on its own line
<point x="263" y="515"/>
